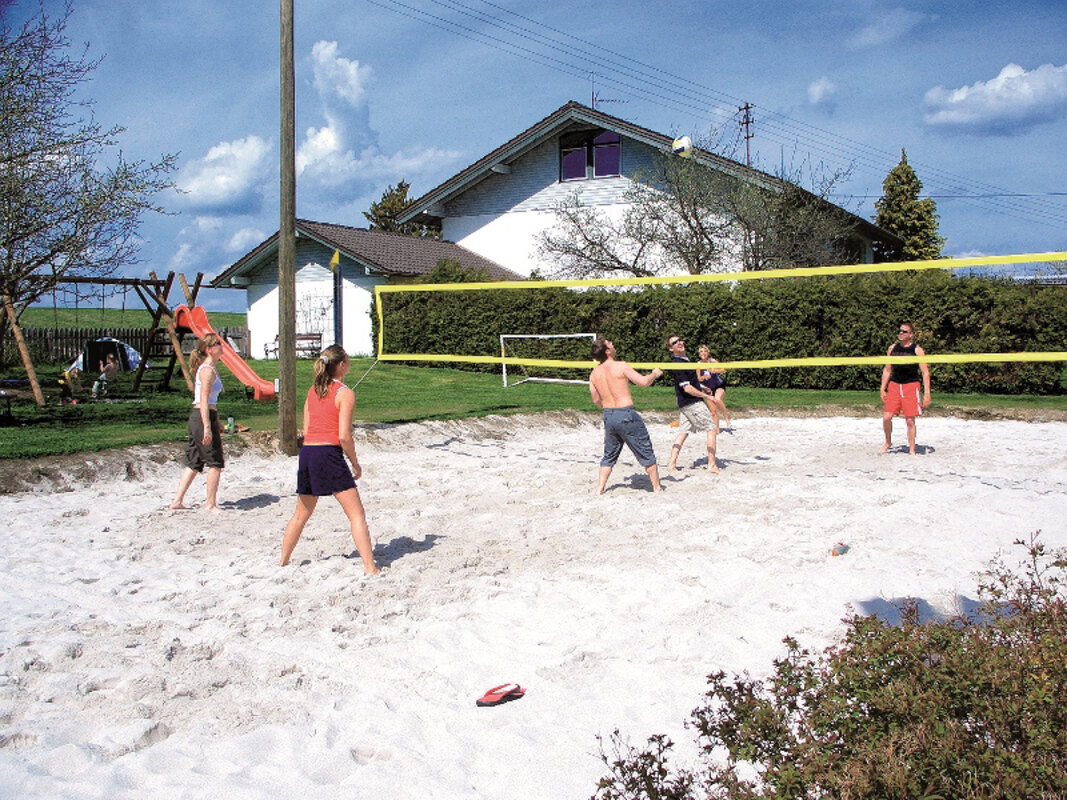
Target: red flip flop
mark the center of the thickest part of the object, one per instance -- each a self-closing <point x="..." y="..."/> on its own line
<point x="504" y="693"/>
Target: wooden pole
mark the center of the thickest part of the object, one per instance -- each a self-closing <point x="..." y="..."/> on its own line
<point x="175" y="342"/>
<point x="190" y="294"/>
<point x="24" y="351"/>
<point x="287" y="243"/>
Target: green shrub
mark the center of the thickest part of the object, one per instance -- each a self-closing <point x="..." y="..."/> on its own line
<point x="850" y="315"/>
<point x="969" y="707"/>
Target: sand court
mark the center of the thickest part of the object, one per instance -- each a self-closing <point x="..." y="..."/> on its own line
<point x="150" y="651"/>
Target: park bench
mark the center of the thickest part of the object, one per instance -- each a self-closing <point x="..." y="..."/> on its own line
<point x="308" y="345"/>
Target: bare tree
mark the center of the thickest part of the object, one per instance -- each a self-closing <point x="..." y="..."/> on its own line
<point x="702" y="214"/>
<point x="67" y="209"/>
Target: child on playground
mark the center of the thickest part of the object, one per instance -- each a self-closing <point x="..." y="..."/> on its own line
<point x="322" y="469"/>
<point x="70" y="385"/>
<point x="109" y="368"/>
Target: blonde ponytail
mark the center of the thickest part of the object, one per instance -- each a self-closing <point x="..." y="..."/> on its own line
<point x="326" y="366"/>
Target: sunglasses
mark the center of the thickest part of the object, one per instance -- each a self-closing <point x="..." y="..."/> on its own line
<point x="904" y="330"/>
<point x="676" y="341"/>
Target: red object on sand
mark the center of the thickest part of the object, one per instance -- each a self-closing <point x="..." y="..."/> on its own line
<point x="504" y="693"/>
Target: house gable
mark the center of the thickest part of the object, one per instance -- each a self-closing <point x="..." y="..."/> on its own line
<point x="499" y="205"/>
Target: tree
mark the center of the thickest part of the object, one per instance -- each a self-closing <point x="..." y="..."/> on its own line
<point x="701" y="215"/>
<point x="900" y="211"/>
<point x="382" y="215"/>
<point x="66" y="209"/>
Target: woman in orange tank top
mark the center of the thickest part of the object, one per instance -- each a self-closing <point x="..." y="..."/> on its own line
<point x="322" y="468"/>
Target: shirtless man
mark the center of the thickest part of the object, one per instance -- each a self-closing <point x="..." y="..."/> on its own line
<point x="609" y="384"/>
<point x="900" y="387"/>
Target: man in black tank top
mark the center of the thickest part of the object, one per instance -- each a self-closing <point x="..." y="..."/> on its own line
<point x="900" y="387"/>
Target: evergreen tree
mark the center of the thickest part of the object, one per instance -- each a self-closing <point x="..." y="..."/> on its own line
<point x="900" y="211"/>
<point x="382" y="215"/>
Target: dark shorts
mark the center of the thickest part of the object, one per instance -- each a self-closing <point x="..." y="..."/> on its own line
<point x="713" y="383"/>
<point x="323" y="470"/>
<point x="624" y="425"/>
<point x="197" y="454"/>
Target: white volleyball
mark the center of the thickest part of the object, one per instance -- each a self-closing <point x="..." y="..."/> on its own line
<point x="682" y="146"/>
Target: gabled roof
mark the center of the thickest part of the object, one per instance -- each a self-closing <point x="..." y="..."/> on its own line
<point x="379" y="252"/>
<point x="423" y="208"/>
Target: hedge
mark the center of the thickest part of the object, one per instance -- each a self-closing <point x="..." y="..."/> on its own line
<point x="852" y="315"/>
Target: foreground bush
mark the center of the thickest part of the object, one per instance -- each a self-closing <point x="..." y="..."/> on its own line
<point x="970" y="707"/>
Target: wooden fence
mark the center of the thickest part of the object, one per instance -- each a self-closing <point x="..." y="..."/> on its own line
<point x="61" y="346"/>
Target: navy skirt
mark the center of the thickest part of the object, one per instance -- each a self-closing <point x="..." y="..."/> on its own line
<point x="323" y="470"/>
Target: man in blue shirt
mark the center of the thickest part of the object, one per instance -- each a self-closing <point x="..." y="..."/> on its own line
<point x="693" y="413"/>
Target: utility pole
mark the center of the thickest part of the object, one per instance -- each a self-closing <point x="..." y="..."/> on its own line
<point x="287" y="243"/>
<point x="746" y="126"/>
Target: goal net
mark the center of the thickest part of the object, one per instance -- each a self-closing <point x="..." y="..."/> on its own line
<point x="545" y="346"/>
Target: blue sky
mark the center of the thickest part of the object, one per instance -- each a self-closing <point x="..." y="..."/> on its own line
<point x="418" y="89"/>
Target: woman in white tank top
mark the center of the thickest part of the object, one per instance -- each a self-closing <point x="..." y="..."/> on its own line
<point x="204" y="448"/>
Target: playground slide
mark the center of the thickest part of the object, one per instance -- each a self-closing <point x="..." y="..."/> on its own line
<point x="195" y="319"/>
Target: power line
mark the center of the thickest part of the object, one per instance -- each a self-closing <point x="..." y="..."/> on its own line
<point x="527" y="38"/>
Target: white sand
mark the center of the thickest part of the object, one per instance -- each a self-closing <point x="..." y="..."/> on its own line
<point x="147" y="653"/>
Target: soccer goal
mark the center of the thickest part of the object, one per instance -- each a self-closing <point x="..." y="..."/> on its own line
<point x="537" y="346"/>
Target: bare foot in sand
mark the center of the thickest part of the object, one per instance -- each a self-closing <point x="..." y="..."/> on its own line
<point x="178" y="507"/>
<point x="885" y="448"/>
<point x="214" y="509"/>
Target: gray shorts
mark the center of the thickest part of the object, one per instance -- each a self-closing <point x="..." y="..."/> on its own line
<point x="197" y="454"/>
<point x="695" y="417"/>
<point x="624" y="425"/>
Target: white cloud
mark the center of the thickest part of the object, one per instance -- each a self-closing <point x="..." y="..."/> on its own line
<point x="245" y="239"/>
<point x="228" y="177"/>
<point x="183" y="259"/>
<point x="328" y="166"/>
<point x="342" y="155"/>
<point x="819" y="91"/>
<point x="321" y="146"/>
<point x="336" y="76"/>
<point x="889" y="26"/>
<point x="1009" y="103"/>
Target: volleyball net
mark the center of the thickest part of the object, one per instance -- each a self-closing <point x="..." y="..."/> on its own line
<point x="505" y="360"/>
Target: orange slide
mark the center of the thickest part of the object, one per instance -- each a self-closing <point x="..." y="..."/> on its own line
<point x="195" y="320"/>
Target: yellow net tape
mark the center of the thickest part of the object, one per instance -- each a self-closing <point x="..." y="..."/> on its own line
<point x="799" y="272"/>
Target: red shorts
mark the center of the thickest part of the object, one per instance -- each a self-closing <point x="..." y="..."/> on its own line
<point x="903" y="398"/>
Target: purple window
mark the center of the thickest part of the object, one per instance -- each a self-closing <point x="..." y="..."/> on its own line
<point x="606" y="154"/>
<point x="573" y="165"/>
<point x="589" y="154"/>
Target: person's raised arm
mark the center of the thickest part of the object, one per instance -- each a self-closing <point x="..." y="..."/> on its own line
<point x="346" y="405"/>
<point x="638" y="379"/>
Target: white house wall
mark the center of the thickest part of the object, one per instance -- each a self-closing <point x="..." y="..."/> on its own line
<point x="501" y="217"/>
<point x="314" y="301"/>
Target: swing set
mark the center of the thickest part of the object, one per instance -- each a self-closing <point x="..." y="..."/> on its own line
<point x="152" y="292"/>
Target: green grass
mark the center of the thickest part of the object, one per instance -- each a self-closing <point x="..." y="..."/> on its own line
<point x="390" y="393"/>
<point x="135" y="316"/>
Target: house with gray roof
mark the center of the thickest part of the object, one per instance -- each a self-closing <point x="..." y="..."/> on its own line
<point x="498" y="206"/>
<point x="367" y="258"/>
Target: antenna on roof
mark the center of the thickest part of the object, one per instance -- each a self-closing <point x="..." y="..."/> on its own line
<point x="594" y="95"/>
